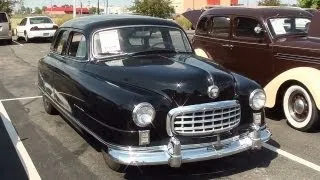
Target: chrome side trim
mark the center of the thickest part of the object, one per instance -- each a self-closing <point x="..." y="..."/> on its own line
<point x="119" y="27"/>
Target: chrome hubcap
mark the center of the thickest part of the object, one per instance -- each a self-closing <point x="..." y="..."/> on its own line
<point x="298" y="106"/>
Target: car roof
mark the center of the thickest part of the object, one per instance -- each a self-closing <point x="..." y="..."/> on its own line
<point x="259" y="12"/>
<point x="37" y="16"/>
<point x="93" y="22"/>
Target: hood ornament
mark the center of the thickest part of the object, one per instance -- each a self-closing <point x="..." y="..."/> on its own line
<point x="213" y="91"/>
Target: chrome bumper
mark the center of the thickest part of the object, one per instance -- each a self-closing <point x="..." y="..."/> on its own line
<point x="174" y="154"/>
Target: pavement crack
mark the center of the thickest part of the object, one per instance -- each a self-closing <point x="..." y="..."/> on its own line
<point x="21" y="59"/>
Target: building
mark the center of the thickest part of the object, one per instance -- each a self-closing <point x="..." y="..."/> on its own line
<point x="182" y="6"/>
<point x="65" y="10"/>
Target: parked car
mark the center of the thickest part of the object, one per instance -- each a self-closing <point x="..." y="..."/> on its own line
<point x="5" y="28"/>
<point x="311" y="10"/>
<point x="36" y="27"/>
<point x="135" y="84"/>
<point x="271" y="46"/>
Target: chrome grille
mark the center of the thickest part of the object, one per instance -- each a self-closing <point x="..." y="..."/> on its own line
<point x="206" y="119"/>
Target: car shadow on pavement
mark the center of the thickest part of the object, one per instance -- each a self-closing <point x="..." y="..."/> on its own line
<point x="36" y="41"/>
<point x="11" y="166"/>
<point x="216" y="168"/>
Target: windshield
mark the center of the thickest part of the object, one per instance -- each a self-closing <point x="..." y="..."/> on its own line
<point x="40" y="20"/>
<point x="289" y="25"/>
<point x="130" y="40"/>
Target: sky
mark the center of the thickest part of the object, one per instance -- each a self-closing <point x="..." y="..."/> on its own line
<point x="40" y="3"/>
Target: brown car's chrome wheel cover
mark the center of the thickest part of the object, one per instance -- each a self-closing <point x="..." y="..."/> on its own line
<point x="298" y="106"/>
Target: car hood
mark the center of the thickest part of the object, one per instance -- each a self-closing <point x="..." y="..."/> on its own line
<point x="183" y="79"/>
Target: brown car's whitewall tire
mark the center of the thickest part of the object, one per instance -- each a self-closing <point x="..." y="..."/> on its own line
<point x="300" y="109"/>
<point x="201" y="53"/>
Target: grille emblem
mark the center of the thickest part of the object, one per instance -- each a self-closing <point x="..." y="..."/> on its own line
<point x="213" y="91"/>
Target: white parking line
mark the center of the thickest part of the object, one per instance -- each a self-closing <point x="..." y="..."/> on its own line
<point x="23" y="98"/>
<point x="292" y="157"/>
<point x="21" y="150"/>
<point x="17" y="42"/>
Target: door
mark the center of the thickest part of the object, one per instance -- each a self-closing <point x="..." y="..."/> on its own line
<point x="21" y="27"/>
<point x="251" y="54"/>
<point x="213" y="37"/>
<point x="4" y="25"/>
<point x="70" y="94"/>
<point x="53" y="61"/>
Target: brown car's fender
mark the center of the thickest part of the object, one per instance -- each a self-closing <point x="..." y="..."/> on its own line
<point x="306" y="75"/>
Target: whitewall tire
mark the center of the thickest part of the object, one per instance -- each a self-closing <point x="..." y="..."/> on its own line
<point x="201" y="53"/>
<point x="300" y="109"/>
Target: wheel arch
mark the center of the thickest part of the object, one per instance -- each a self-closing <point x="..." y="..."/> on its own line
<point x="303" y="76"/>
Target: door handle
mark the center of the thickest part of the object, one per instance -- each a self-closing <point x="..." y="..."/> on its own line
<point x="228" y="45"/>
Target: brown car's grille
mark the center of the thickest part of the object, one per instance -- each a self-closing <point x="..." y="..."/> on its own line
<point x="207" y="120"/>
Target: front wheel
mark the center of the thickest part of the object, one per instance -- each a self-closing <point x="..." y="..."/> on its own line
<point x="26" y="38"/>
<point x="48" y="107"/>
<point x="300" y="109"/>
<point x="111" y="163"/>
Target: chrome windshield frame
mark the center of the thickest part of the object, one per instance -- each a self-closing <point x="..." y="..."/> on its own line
<point x="94" y="56"/>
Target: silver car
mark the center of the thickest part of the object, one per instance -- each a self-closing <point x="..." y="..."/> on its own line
<point x="5" y="28"/>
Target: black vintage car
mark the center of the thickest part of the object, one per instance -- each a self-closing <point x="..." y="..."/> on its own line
<point x="135" y="84"/>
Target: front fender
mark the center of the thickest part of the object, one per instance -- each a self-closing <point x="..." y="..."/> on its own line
<point x="305" y="75"/>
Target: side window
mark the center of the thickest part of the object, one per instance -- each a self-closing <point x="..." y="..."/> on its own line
<point x="156" y="40"/>
<point x="23" y="22"/>
<point x="203" y="26"/>
<point x="245" y="28"/>
<point x="61" y="42"/>
<point x="220" y="26"/>
<point x="77" y="46"/>
<point x="179" y="42"/>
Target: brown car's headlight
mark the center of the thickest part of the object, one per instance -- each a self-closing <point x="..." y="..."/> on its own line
<point x="143" y="114"/>
<point x="257" y="99"/>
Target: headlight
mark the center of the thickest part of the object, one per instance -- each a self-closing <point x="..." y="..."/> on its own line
<point x="257" y="99"/>
<point x="143" y="114"/>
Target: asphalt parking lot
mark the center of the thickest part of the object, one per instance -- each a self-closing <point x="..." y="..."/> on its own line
<point x="56" y="150"/>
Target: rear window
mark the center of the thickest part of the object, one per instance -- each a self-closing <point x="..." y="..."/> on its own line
<point x="3" y="18"/>
<point x="40" y="20"/>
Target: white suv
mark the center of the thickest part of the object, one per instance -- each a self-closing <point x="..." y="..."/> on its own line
<point x="5" y="28"/>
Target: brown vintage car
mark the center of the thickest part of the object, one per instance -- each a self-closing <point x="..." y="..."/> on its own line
<point x="277" y="47"/>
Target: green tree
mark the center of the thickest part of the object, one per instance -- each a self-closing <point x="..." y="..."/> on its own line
<point x="269" y="3"/>
<point x="37" y="10"/>
<point x="156" y="8"/>
<point x="94" y="10"/>
<point x="6" y="6"/>
<point x="309" y="3"/>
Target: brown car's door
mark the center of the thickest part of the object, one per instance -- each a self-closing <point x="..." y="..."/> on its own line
<point x="213" y="37"/>
<point x="251" y="54"/>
